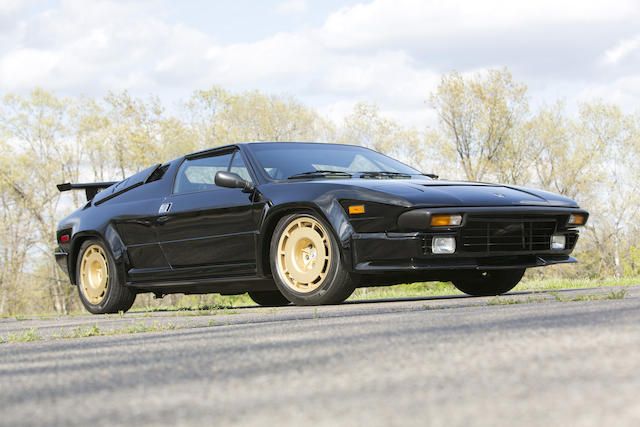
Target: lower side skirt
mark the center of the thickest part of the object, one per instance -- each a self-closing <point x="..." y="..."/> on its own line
<point x="224" y="286"/>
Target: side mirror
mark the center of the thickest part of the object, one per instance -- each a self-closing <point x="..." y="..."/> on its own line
<point x="232" y="180"/>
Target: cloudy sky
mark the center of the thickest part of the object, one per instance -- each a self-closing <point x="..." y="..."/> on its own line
<point x="328" y="53"/>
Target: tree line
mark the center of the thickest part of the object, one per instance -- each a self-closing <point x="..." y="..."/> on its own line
<point x="487" y="131"/>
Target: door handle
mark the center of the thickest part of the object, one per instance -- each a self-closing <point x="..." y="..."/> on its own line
<point x="164" y="208"/>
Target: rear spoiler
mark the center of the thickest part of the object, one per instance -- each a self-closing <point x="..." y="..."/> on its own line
<point x="90" y="188"/>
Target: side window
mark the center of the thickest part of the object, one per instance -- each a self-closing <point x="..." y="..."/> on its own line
<point x="199" y="174"/>
<point x="238" y="167"/>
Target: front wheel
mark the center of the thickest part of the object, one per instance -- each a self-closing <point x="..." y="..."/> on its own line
<point x="305" y="262"/>
<point x="99" y="285"/>
<point x="269" y="298"/>
<point x="488" y="283"/>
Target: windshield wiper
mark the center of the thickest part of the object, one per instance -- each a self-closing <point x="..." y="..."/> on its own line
<point x="383" y="174"/>
<point x="321" y="173"/>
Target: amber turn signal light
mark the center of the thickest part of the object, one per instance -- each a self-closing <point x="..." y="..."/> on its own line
<point x="577" y="219"/>
<point x="445" y="220"/>
<point x="357" y="209"/>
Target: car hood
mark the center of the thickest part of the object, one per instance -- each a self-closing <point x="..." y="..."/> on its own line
<point x="452" y="193"/>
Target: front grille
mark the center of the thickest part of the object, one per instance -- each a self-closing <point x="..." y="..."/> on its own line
<point x="571" y="240"/>
<point x="507" y="235"/>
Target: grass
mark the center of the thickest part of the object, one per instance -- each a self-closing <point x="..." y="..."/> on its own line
<point x="506" y="300"/>
<point x="550" y="284"/>
<point x="619" y="294"/>
<point x="22" y="336"/>
<point x="190" y="310"/>
<point x="404" y="291"/>
<point x="94" y="330"/>
<point x="445" y="288"/>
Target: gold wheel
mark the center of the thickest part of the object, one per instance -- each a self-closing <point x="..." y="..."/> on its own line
<point x="304" y="255"/>
<point x="94" y="274"/>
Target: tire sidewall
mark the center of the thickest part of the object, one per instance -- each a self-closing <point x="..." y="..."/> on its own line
<point x="114" y="278"/>
<point x="495" y="283"/>
<point x="269" y="298"/>
<point x="329" y="285"/>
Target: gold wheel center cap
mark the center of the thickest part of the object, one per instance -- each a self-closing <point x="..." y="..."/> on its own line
<point x="309" y="255"/>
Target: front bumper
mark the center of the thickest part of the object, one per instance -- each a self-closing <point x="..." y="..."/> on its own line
<point x="488" y="238"/>
<point x="407" y="252"/>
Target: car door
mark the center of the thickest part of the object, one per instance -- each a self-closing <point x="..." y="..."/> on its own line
<point x="206" y="230"/>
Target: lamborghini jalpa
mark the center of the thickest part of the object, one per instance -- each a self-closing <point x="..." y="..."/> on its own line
<point x="303" y="223"/>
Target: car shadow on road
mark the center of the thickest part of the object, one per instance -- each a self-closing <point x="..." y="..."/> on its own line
<point x="381" y="300"/>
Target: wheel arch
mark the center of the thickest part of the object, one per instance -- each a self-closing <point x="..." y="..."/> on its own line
<point x="76" y="244"/>
<point x="335" y="217"/>
<point x="111" y="241"/>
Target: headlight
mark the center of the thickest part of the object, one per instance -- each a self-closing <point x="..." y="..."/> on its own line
<point x="443" y="245"/>
<point x="558" y="241"/>
<point x="577" y="219"/>
<point x="445" y="220"/>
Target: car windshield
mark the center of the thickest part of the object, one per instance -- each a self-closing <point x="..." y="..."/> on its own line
<point x="285" y="160"/>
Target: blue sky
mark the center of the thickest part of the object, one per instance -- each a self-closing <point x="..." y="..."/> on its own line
<point x="329" y="54"/>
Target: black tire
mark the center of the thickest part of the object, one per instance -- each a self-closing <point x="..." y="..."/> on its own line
<point x="488" y="283"/>
<point x="116" y="297"/>
<point x="336" y="285"/>
<point x="269" y="298"/>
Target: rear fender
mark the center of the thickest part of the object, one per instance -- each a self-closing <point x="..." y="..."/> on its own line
<point x="112" y="241"/>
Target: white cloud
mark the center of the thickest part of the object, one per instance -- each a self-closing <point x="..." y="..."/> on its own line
<point x="11" y="6"/>
<point x="385" y="22"/>
<point x="387" y="51"/>
<point x="21" y="68"/>
<point x="622" y="49"/>
<point x="289" y="7"/>
<point x="624" y="92"/>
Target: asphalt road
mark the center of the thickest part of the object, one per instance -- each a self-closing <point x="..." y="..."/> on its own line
<point x="461" y="361"/>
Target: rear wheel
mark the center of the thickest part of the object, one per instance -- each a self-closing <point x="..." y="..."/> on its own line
<point x="305" y="262"/>
<point x="269" y="298"/>
<point x="488" y="283"/>
<point x="99" y="285"/>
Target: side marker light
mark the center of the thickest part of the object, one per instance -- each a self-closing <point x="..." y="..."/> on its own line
<point x="357" y="209"/>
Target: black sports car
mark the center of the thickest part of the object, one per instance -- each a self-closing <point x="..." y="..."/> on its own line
<point x="304" y="223"/>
